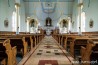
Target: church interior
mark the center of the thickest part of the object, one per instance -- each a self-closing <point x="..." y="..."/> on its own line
<point x="48" y="32"/>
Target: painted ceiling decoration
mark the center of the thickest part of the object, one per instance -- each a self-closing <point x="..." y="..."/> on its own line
<point x="48" y="7"/>
<point x="8" y="3"/>
<point x="48" y="0"/>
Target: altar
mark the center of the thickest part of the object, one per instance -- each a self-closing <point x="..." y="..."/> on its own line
<point x="48" y="32"/>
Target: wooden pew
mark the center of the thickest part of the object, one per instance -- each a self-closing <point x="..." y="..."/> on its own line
<point x="33" y="41"/>
<point x="27" y="39"/>
<point x="11" y="52"/>
<point x="94" y="54"/>
<point x="3" y="55"/>
<point x="86" y="53"/>
<point x="90" y="53"/>
<point x="36" y="38"/>
<point x="68" y="39"/>
<point x="19" y="42"/>
<point x="77" y="43"/>
<point x="7" y="53"/>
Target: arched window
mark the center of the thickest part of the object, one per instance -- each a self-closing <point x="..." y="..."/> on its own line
<point x="14" y="25"/>
<point x="83" y="22"/>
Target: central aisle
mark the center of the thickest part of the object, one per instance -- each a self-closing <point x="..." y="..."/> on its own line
<point x="49" y="53"/>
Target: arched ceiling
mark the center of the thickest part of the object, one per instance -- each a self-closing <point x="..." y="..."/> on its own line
<point x="48" y="6"/>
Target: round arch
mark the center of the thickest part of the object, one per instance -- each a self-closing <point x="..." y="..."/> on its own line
<point x="32" y="25"/>
<point x="64" y="24"/>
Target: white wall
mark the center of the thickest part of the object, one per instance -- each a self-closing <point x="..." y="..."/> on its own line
<point x="75" y="16"/>
<point x="23" y="22"/>
<point x="6" y="11"/>
<point x="91" y="12"/>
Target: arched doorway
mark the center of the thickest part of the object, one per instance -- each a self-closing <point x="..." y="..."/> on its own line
<point x="48" y="21"/>
<point x="48" y="24"/>
<point x="32" y="25"/>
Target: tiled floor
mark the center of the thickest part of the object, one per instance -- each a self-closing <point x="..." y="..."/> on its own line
<point x="49" y="53"/>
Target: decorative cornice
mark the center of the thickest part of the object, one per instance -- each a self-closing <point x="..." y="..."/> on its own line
<point x="17" y="4"/>
<point x="80" y="4"/>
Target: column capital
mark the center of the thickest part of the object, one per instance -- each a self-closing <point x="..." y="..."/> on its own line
<point x="17" y="4"/>
<point x="80" y="4"/>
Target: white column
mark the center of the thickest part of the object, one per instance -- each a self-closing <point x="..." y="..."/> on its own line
<point x="17" y="17"/>
<point x="69" y="24"/>
<point x="28" y="26"/>
<point x="79" y="12"/>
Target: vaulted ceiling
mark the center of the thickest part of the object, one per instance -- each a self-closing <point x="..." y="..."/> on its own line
<point x="50" y="7"/>
<point x="48" y="0"/>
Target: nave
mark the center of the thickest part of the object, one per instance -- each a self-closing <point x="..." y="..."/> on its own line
<point x="48" y="52"/>
<point x="48" y="32"/>
<point x="55" y="49"/>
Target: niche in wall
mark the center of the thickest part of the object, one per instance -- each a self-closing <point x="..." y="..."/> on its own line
<point x="32" y="22"/>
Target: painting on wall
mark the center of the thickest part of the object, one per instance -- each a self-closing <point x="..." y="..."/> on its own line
<point x="6" y="22"/>
<point x="91" y="23"/>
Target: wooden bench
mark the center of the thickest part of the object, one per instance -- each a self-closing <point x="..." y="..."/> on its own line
<point x="89" y="53"/>
<point x="11" y="52"/>
<point x="94" y="54"/>
<point x="77" y="43"/>
<point x="7" y="53"/>
<point x="19" y="42"/>
<point x="3" y="55"/>
<point x="68" y="39"/>
<point x="33" y="41"/>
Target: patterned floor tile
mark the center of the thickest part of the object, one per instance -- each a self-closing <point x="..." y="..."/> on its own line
<point x="48" y="46"/>
<point x="57" y="53"/>
<point x="40" y="50"/>
<point x="48" y="52"/>
<point x="39" y="53"/>
<point x="55" y="50"/>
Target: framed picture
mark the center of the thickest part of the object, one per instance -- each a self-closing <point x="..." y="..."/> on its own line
<point x="91" y="23"/>
<point x="6" y="22"/>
